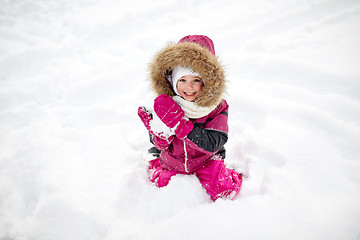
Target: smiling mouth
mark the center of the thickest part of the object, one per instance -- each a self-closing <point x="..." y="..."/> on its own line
<point x="189" y="93"/>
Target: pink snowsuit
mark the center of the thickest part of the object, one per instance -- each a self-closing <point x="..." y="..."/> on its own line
<point x="196" y="150"/>
<point x="196" y="154"/>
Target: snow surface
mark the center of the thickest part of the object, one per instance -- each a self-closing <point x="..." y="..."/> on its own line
<point x="73" y="152"/>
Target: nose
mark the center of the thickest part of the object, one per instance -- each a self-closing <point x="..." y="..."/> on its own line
<point x="189" y="85"/>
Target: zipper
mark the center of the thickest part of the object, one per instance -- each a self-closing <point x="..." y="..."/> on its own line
<point x="186" y="157"/>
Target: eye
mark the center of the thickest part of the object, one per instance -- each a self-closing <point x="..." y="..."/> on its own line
<point x="182" y="80"/>
<point x="197" y="80"/>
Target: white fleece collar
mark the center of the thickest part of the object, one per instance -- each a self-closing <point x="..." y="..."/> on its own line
<point x="191" y="109"/>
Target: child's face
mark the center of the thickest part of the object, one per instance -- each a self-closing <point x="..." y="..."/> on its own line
<point x="189" y="87"/>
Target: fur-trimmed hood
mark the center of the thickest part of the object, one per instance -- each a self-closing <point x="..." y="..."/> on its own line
<point x="200" y="59"/>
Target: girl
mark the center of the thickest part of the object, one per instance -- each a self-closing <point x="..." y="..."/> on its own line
<point x="188" y="122"/>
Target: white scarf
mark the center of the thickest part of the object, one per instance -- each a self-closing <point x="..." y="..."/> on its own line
<point x="191" y="109"/>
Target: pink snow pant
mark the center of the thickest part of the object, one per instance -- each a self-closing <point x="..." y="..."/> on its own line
<point x="218" y="180"/>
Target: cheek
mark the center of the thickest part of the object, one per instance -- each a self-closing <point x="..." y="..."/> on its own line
<point x="198" y="88"/>
<point x="179" y="87"/>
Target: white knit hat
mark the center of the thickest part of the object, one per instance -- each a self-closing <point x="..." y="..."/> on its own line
<point x="179" y="72"/>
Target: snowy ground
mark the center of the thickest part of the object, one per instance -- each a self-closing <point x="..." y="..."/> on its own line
<point x="73" y="151"/>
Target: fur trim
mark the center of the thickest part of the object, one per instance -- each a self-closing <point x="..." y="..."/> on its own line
<point x="192" y="55"/>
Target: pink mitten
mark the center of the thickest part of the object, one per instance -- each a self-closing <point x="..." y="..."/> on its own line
<point x="162" y="136"/>
<point x="168" y="110"/>
<point x="145" y="117"/>
<point x="184" y="128"/>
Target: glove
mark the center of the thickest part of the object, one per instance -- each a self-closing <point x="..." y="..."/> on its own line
<point x="145" y="117"/>
<point x="155" y="126"/>
<point x="183" y="128"/>
<point x="172" y="115"/>
<point x="169" y="112"/>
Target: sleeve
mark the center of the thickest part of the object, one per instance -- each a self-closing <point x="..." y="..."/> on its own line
<point x="207" y="139"/>
<point x="214" y="135"/>
<point x="159" y="143"/>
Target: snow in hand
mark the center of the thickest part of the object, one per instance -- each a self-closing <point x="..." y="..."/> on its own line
<point x="73" y="153"/>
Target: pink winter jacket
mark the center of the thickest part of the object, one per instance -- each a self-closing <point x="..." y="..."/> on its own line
<point x="189" y="154"/>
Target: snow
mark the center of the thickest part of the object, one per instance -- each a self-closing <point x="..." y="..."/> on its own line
<point x="157" y="126"/>
<point x="73" y="152"/>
